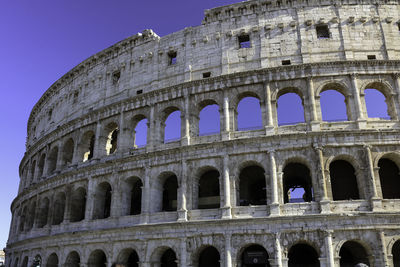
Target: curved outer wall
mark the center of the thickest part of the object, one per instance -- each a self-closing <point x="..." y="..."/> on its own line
<point x="138" y="78"/>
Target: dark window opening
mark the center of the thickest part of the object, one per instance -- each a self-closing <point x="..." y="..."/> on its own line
<point x="209" y="190"/>
<point x="168" y="259"/>
<point x="303" y="255"/>
<point x="398" y="26"/>
<point x="352" y="253"/>
<point x="286" y="62"/>
<point x="209" y="257"/>
<point x="75" y="99"/>
<point x="31" y="216"/>
<point x="139" y="92"/>
<point x="73" y="260"/>
<point x="59" y="208"/>
<point x="97" y="259"/>
<point x="50" y="114"/>
<point x="52" y="261"/>
<point x="68" y="152"/>
<point x="322" y="31"/>
<point x="115" y="77"/>
<point x="252" y="186"/>
<point x="170" y="194"/>
<point x="206" y="74"/>
<point x="41" y="165"/>
<point x="43" y="213"/>
<point x="172" y="58"/>
<point x="370" y="57"/>
<point x="102" y="201"/>
<point x="128" y="258"/>
<point x="37" y="261"/>
<point x="78" y="205"/>
<point x="396" y="254"/>
<point x="244" y="41"/>
<point x="390" y="179"/>
<point x="136" y="198"/>
<point x="255" y="256"/>
<point x="343" y="181"/>
<point x="52" y="160"/>
<point x="88" y="146"/>
<point x="297" y="184"/>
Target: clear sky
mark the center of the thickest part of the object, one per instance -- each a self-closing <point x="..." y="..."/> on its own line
<point x="42" y="40"/>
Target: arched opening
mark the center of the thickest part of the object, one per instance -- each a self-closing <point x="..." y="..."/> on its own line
<point x="102" y="201"/>
<point x="168" y="259"/>
<point x="128" y="258"/>
<point x="209" y="197"/>
<point x="78" y="205"/>
<point x="59" y="208"/>
<point x="31" y="216"/>
<point x="396" y="254"/>
<point x="376" y="103"/>
<point x="343" y="181"/>
<point x="97" y="259"/>
<point x="112" y="138"/>
<point x="140" y="132"/>
<point x="352" y="253"/>
<point x="255" y="256"/>
<point x="52" y="160"/>
<point x="252" y="188"/>
<point x="303" y="255"/>
<point x="43" y="212"/>
<point x="132" y="195"/>
<point x="333" y="106"/>
<point x="209" y="122"/>
<point x="290" y="109"/>
<point x="87" y="146"/>
<point x="33" y="168"/>
<point x="172" y="129"/>
<point x="25" y="262"/>
<point x="16" y="263"/>
<point x="41" y="165"/>
<point x="52" y="260"/>
<point x="297" y="183"/>
<point x="249" y="114"/>
<point x="37" y="261"/>
<point x="73" y="260"/>
<point x="170" y="192"/>
<point x="68" y="152"/>
<point x="22" y="219"/>
<point x="390" y="178"/>
<point x="209" y="257"/>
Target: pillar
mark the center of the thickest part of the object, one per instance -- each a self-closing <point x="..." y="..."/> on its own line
<point x="182" y="209"/>
<point x="277" y="261"/>
<point x="89" y="200"/>
<point x="59" y="162"/>
<point x="329" y="249"/>
<point x="151" y="129"/>
<point x="314" y="124"/>
<point x="396" y="78"/>
<point x="385" y="261"/>
<point x="76" y="157"/>
<point x="375" y="202"/>
<point x="226" y="207"/>
<point x="122" y="142"/>
<point x="324" y="201"/>
<point x="97" y="148"/>
<point x="269" y="126"/>
<point x="357" y="101"/>
<point x="116" y="197"/>
<point x="68" y="196"/>
<point x="274" y="206"/>
<point x="183" y="253"/>
<point x="185" y="123"/>
<point x="228" y="251"/>
<point x="146" y="196"/>
<point x="226" y="118"/>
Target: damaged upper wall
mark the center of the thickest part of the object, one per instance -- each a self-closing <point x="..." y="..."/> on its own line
<point x="278" y="33"/>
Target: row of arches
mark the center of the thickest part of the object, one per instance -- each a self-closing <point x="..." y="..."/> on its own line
<point x="252" y="188"/>
<point x="247" y="114"/>
<point x="351" y="253"/>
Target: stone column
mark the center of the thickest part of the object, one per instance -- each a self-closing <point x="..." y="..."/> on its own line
<point x="97" y="149"/>
<point x="314" y="124"/>
<point x="182" y="209"/>
<point x="146" y="196"/>
<point x="277" y="261"/>
<point x="329" y="249"/>
<point x="323" y="201"/>
<point x="226" y="118"/>
<point x="375" y="202"/>
<point x="396" y="79"/>
<point x="226" y="207"/>
<point x="115" y="207"/>
<point x="90" y="200"/>
<point x="385" y="261"/>
<point x="67" y="213"/>
<point x="75" y="156"/>
<point x="274" y="206"/>
<point x="228" y="250"/>
<point x="269" y="126"/>
<point x="361" y="123"/>
<point x="122" y="144"/>
<point x="151" y="129"/>
<point x="185" y="122"/>
<point x="183" y="252"/>
<point x="59" y="162"/>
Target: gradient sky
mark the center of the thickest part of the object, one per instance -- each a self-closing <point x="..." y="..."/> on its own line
<point x="42" y="40"/>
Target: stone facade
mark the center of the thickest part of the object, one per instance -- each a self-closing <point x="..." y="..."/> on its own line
<point x="89" y="196"/>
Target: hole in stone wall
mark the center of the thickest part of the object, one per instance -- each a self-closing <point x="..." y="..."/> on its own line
<point x="73" y="260"/>
<point x="390" y="179"/>
<point x="255" y="256"/>
<point x="396" y="254"/>
<point x="371" y="57"/>
<point x="209" y="122"/>
<point x="172" y="57"/>
<point x="170" y="191"/>
<point x="206" y="75"/>
<point x="112" y="141"/>
<point x="115" y="77"/>
<point x="172" y="130"/>
<point x="136" y="198"/>
<point x="52" y="260"/>
<point x="102" y="201"/>
<point x="97" y="259"/>
<point x="290" y="109"/>
<point x="168" y="259"/>
<point x="43" y="212"/>
<point x="128" y="258"/>
<point x="139" y="92"/>
<point x="303" y="255"/>
<point x="351" y="253"/>
<point x="37" y="261"/>
<point x="252" y="186"/>
<point x="59" y="209"/>
<point x="41" y="165"/>
<point x="140" y="133"/>
<point x="322" y="31"/>
<point x="209" y="197"/>
<point x="88" y="146"/>
<point x="244" y="41"/>
<point x="75" y="98"/>
<point x="343" y="180"/>
<point x="209" y="257"/>
<point x="52" y="160"/>
<point x="297" y="183"/>
<point x="78" y="205"/>
<point x="68" y="152"/>
<point x="286" y="62"/>
<point x="333" y="106"/>
<point x="249" y="114"/>
<point x="376" y="104"/>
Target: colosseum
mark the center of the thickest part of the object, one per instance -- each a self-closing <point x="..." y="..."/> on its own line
<point x="91" y="196"/>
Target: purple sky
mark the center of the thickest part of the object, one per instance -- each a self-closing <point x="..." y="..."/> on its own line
<point x="42" y="40"/>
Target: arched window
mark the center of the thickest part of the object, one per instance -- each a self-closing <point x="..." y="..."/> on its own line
<point x="97" y="259"/>
<point x="31" y="216"/>
<point x="41" y="165"/>
<point x="87" y="146"/>
<point x="112" y="138"/>
<point x="22" y="219"/>
<point x="140" y="133"/>
<point x="352" y="253"/>
<point x="78" y="205"/>
<point x="128" y="258"/>
<point x="132" y="196"/>
<point x="102" y="205"/>
<point x="33" y="168"/>
<point x="390" y="178"/>
<point x="170" y="192"/>
<point x="255" y="256"/>
<point x="290" y="109"/>
<point x="343" y="181"/>
<point x="333" y="106"/>
<point x="59" y="208"/>
<point x="52" y="260"/>
<point x="43" y="212"/>
<point x="209" y="122"/>
<point x="168" y="259"/>
<point x="209" y="257"/>
<point x="396" y="254"/>
<point x="297" y="183"/>
<point x="303" y="255"/>
<point x="376" y="104"/>
<point x="16" y="263"/>
<point x="209" y="197"/>
<point x="249" y="114"/>
<point x="37" y="261"/>
<point x="68" y="152"/>
<point x="172" y="129"/>
<point x="252" y="189"/>
<point x="52" y="160"/>
<point x="73" y="260"/>
<point x="25" y="262"/>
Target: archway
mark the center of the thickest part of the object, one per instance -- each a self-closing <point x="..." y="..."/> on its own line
<point x="52" y="160"/>
<point x="43" y="212"/>
<point x="73" y="260"/>
<point x="168" y="259"/>
<point x="376" y="103"/>
<point x="297" y="184"/>
<point x="252" y="188"/>
<point x="59" y="208"/>
<point x="52" y="260"/>
<point x="68" y="152"/>
<point x="78" y="205"/>
<point x="37" y="261"/>
<point x="128" y="258"/>
<point x="209" y="120"/>
<point x="396" y="254"/>
<point x="390" y="178"/>
<point x="290" y="109"/>
<point x="352" y="253"/>
<point x="170" y="191"/>
<point x="97" y="259"/>
<point x="303" y="255"/>
<point x="172" y="129"/>
<point x="249" y="114"/>
<point x="112" y="138"/>
<point x="209" y="197"/>
<point x="255" y="256"/>
<point x="140" y="132"/>
<point x="87" y="146"/>
<point x="343" y="181"/>
<point x="25" y="262"/>
<point x="102" y="205"/>
<point x="333" y="106"/>
<point x="209" y="257"/>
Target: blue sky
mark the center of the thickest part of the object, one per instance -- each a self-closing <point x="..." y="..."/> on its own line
<point x="42" y="40"/>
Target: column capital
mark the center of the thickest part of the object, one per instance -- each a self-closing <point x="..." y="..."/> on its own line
<point x="318" y="147"/>
<point x="354" y="75"/>
<point x="396" y="75"/>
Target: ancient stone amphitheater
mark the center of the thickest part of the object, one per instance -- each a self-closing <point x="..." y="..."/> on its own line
<point x="91" y="196"/>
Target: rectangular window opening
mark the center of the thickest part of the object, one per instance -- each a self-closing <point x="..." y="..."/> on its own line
<point x="206" y="74"/>
<point x="172" y="58"/>
<point x="398" y="25"/>
<point x="371" y="57"/>
<point x="138" y="92"/>
<point x="75" y="99"/>
<point x="286" y="62"/>
<point x="244" y="41"/>
<point x="322" y="31"/>
<point x="115" y="77"/>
